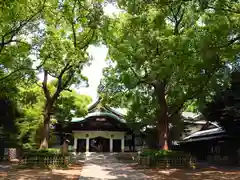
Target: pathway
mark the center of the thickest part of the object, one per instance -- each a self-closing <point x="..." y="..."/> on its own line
<point x="106" y="166"/>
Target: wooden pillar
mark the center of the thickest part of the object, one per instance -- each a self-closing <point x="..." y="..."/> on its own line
<point x="111" y="145"/>
<point x="75" y="144"/>
<point x="133" y="142"/>
<point x="122" y="144"/>
<point x="65" y="147"/>
<point x="87" y="144"/>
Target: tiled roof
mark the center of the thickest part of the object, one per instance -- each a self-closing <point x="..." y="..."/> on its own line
<point x="209" y="132"/>
<point x="76" y="119"/>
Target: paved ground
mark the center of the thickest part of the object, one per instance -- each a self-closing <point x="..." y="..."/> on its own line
<point x="106" y="166"/>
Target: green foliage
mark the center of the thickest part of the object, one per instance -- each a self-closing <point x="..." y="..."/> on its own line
<point x="17" y="27"/>
<point x="224" y="106"/>
<point x="68" y="32"/>
<point x="49" y="38"/>
<point x="167" y="159"/>
<point x="183" y="47"/>
<point x="9" y="113"/>
<point x="31" y="103"/>
<point x="71" y="104"/>
<point x="162" y="153"/>
<point x="50" y="152"/>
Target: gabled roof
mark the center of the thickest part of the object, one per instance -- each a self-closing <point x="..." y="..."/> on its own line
<point x="94" y="114"/>
<point x="205" y="135"/>
<point x="97" y="109"/>
<point x="208" y="132"/>
<point x="98" y="102"/>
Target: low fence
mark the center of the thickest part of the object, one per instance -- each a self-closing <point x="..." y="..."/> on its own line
<point x="178" y="161"/>
<point x="166" y="162"/>
<point x="127" y="156"/>
<point x="54" y="161"/>
<point x="223" y="160"/>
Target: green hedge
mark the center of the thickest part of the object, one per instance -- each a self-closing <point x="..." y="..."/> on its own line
<point x="162" y="153"/>
<point x="43" y="152"/>
<point x="162" y="158"/>
<point x="44" y="158"/>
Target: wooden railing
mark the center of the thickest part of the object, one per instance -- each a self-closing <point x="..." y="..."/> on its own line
<point x="54" y="161"/>
<point x="164" y="162"/>
<point x="222" y="160"/>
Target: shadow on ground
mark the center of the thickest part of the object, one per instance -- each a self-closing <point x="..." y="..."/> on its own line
<point x="203" y="173"/>
<point x="105" y="166"/>
<point x="72" y="172"/>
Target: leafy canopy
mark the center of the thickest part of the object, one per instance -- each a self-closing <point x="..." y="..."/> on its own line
<point x="31" y="104"/>
<point x="183" y="44"/>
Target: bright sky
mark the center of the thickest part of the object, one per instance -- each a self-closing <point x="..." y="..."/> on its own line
<point x="94" y="71"/>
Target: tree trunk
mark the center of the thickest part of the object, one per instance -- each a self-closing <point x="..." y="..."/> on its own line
<point x="163" y="131"/>
<point x="162" y="116"/>
<point x="45" y="130"/>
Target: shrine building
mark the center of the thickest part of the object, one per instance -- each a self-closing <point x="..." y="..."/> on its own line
<point x="103" y="129"/>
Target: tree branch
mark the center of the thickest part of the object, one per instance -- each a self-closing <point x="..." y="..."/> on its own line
<point x="233" y="40"/>
<point x="88" y="41"/>
<point x="177" y="20"/>
<point x="10" y="74"/>
<point x="72" y="25"/>
<point x="223" y="9"/>
<point x="140" y="79"/>
<point x="60" y="86"/>
<point x="14" y="30"/>
<point x="44" y="85"/>
<point x="135" y="74"/>
<point x="15" y="71"/>
<point x="198" y="91"/>
<point x="70" y="75"/>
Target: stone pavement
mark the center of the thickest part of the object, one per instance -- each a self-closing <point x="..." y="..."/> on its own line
<point x="106" y="166"/>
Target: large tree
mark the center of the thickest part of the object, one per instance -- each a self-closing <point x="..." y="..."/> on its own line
<point x="166" y="53"/>
<point x="31" y="103"/>
<point x="49" y="38"/>
<point x="69" y="27"/>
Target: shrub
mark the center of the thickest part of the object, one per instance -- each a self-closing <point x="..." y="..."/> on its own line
<point x="44" y="158"/>
<point x="168" y="158"/>
<point x="162" y="153"/>
<point x="43" y="152"/>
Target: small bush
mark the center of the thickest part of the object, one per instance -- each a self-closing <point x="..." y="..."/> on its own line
<point x="166" y="158"/>
<point x="44" y="158"/>
<point x="162" y="153"/>
<point x="43" y="152"/>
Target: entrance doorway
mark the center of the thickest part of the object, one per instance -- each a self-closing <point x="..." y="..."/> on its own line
<point x="99" y="144"/>
<point x="81" y="145"/>
<point x="116" y="145"/>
